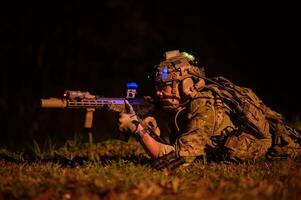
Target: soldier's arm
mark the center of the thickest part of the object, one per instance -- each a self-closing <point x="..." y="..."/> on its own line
<point x="200" y="126"/>
<point x="154" y="148"/>
<point x="191" y="142"/>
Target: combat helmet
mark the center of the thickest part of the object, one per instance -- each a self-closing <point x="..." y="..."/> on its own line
<point x="179" y="67"/>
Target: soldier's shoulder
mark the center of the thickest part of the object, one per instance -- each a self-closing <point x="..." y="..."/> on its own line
<point x="201" y="99"/>
<point x="202" y="95"/>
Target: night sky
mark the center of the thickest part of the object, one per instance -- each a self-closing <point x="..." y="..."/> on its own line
<point x="98" y="46"/>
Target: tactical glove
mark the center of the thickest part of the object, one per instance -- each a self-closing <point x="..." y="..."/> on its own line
<point x="151" y="123"/>
<point x="128" y="122"/>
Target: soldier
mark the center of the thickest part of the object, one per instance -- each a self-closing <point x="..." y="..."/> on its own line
<point x="208" y="121"/>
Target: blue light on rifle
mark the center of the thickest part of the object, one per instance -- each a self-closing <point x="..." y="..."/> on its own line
<point x="131" y="90"/>
<point x="132" y="85"/>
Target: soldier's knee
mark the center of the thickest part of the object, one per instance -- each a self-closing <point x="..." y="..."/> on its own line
<point x="246" y="147"/>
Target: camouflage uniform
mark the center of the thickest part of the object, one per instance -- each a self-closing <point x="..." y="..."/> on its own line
<point x="221" y="120"/>
<point x="210" y="127"/>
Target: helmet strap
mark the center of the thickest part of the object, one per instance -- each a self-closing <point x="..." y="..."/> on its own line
<point x="174" y="88"/>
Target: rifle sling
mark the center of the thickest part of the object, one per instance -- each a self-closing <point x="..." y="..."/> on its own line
<point x="156" y="137"/>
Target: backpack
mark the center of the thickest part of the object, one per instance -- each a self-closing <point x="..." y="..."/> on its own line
<point x="253" y="115"/>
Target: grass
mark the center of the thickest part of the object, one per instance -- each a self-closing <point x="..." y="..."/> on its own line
<point x="118" y="170"/>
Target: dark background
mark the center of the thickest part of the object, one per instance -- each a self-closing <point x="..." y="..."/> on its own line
<point x="97" y="46"/>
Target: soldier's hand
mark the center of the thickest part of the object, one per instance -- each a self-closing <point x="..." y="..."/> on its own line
<point x="152" y="124"/>
<point x="128" y="122"/>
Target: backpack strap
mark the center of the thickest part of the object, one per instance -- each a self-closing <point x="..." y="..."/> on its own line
<point x="238" y="102"/>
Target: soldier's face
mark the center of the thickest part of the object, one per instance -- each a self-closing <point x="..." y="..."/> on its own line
<point x="168" y="100"/>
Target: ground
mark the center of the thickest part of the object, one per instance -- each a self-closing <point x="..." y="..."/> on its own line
<point x="119" y="170"/>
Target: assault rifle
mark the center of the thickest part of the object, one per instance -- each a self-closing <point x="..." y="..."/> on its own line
<point x="84" y="100"/>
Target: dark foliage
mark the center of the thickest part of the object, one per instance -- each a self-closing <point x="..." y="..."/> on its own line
<point x="97" y="46"/>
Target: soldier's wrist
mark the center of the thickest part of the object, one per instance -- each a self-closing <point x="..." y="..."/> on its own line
<point x="141" y="131"/>
<point x="137" y="125"/>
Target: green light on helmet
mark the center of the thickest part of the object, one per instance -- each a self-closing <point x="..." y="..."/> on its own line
<point x="191" y="57"/>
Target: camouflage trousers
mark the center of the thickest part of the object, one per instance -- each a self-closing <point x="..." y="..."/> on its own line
<point x="287" y="142"/>
<point x="238" y="148"/>
<point x="246" y="147"/>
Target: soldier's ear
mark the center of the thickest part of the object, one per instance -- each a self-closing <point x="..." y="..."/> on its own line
<point x="188" y="87"/>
